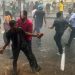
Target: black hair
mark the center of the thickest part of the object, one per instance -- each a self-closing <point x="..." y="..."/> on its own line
<point x="24" y="12"/>
<point x="7" y="13"/>
<point x="12" y="23"/>
<point x="61" y="1"/>
<point x="59" y="14"/>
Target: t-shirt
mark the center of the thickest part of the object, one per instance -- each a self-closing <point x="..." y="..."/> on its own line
<point x="72" y="20"/>
<point x="7" y="19"/>
<point x="68" y="17"/>
<point x="61" y="7"/>
<point x="16" y="36"/>
<point x="27" y="26"/>
<point x="60" y="25"/>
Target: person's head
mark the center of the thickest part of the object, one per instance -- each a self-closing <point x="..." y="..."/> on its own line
<point x="59" y="14"/>
<point x="61" y="2"/>
<point x="70" y="10"/>
<point x="8" y="13"/>
<point x="36" y="2"/>
<point x="12" y="23"/>
<point x="40" y="7"/>
<point x="24" y="14"/>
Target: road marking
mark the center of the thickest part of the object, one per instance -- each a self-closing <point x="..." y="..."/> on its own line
<point x="62" y="65"/>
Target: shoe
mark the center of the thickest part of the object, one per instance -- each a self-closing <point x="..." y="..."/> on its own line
<point x="14" y="73"/>
<point x="59" y="53"/>
<point x="63" y="49"/>
<point x="73" y="38"/>
<point x="67" y="45"/>
<point x="34" y="70"/>
<point x="38" y="69"/>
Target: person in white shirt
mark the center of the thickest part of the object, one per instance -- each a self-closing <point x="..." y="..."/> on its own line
<point x="72" y="24"/>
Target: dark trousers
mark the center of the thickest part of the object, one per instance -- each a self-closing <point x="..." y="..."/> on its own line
<point x="61" y="13"/>
<point x="72" y="35"/>
<point x="30" y="56"/>
<point x="57" y="39"/>
<point x="4" y="37"/>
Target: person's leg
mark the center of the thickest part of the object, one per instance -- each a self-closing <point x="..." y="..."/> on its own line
<point x="4" y="37"/>
<point x="15" y="58"/>
<point x="57" y="39"/>
<point x="31" y="58"/>
<point x="38" y="31"/>
<point x="71" y="37"/>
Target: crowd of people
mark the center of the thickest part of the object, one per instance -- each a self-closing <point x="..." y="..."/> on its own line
<point x="20" y="32"/>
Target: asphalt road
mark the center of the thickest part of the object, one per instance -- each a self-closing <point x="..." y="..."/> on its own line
<point x="45" y="54"/>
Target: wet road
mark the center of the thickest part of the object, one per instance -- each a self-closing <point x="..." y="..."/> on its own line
<point x="45" y="55"/>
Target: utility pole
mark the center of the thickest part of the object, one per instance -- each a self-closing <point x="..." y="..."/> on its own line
<point x="19" y="4"/>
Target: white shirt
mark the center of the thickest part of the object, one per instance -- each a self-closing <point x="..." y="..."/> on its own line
<point x="33" y="12"/>
<point x="72" y="20"/>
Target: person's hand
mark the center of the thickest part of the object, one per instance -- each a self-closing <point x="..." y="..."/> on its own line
<point x="1" y="50"/>
<point x="39" y="35"/>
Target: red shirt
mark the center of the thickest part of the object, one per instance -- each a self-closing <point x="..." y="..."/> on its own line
<point x="26" y="26"/>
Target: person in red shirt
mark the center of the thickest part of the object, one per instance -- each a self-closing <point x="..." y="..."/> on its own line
<point x="27" y="26"/>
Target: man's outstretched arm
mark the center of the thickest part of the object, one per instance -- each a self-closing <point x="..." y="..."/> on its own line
<point x="3" y="48"/>
<point x="38" y="35"/>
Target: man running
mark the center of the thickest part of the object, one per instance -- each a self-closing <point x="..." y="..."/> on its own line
<point x="60" y="25"/>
